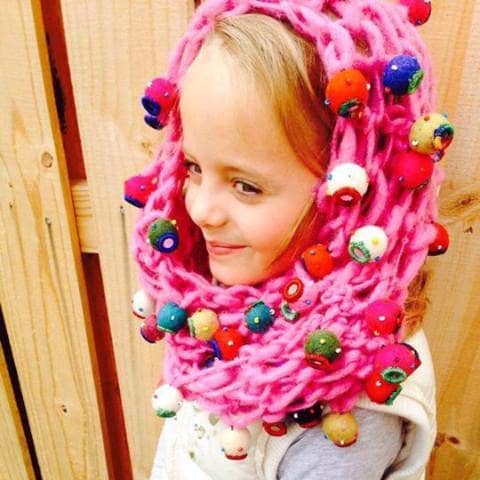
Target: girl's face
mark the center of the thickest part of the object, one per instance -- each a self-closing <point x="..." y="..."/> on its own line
<point x="246" y="188"/>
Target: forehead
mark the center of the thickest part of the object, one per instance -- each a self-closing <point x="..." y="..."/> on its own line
<point x="226" y="117"/>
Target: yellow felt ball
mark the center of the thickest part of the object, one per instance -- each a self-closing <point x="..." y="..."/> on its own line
<point x="431" y="133"/>
<point x="203" y="324"/>
<point x="340" y="428"/>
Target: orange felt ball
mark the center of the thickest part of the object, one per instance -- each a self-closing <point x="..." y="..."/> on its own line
<point x="347" y="93"/>
<point x="318" y="261"/>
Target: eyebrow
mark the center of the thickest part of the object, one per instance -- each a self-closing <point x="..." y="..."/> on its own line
<point x="255" y="173"/>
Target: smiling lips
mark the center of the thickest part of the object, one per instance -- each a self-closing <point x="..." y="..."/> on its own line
<point x="217" y="248"/>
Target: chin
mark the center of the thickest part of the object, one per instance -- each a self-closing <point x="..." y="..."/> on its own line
<point x="230" y="277"/>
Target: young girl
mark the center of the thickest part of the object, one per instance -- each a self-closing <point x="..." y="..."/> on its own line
<point x="290" y="209"/>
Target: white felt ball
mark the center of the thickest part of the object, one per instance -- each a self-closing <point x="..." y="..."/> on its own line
<point x="347" y="183"/>
<point x="143" y="304"/>
<point x="166" y="401"/>
<point x="235" y="442"/>
<point x="368" y="244"/>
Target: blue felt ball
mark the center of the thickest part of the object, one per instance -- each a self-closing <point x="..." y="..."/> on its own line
<point x="171" y="318"/>
<point x="402" y="75"/>
<point x="259" y="317"/>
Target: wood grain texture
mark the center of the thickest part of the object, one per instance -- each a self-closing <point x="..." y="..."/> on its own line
<point x="452" y="324"/>
<point x="114" y="50"/>
<point x="41" y="285"/>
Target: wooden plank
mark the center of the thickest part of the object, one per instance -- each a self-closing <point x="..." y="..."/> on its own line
<point x="15" y="462"/>
<point x="114" y="50"/>
<point x="453" y="317"/>
<point x="41" y="284"/>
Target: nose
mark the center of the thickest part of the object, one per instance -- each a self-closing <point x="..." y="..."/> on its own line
<point x="205" y="206"/>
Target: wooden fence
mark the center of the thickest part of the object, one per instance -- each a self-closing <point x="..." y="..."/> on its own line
<point x="76" y="376"/>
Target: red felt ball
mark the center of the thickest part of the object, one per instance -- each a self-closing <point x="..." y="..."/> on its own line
<point x="419" y="11"/>
<point x="383" y="317"/>
<point x="347" y="93"/>
<point x="150" y="331"/>
<point x="276" y="429"/>
<point x="228" y="342"/>
<point x="412" y="169"/>
<point x="318" y="261"/>
<point x="379" y="390"/>
<point x="293" y="290"/>
<point x="441" y="242"/>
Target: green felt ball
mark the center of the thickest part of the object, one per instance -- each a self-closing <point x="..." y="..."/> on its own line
<point x="323" y="342"/>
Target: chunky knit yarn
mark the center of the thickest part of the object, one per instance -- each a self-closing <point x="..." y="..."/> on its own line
<point x="270" y="378"/>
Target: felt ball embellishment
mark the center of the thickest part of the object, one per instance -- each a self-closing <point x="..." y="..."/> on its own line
<point x="158" y="100"/>
<point x="402" y="75"/>
<point x="276" y="429"/>
<point x="150" y="331"/>
<point x="288" y="312"/>
<point x="138" y="188"/>
<point x="203" y="324"/>
<point x="259" y="317"/>
<point x="441" y="242"/>
<point x="340" y="428"/>
<point x="368" y="244"/>
<point x="166" y="401"/>
<point x="293" y="290"/>
<point x="321" y="349"/>
<point x="317" y="261"/>
<point x="431" y="133"/>
<point x="381" y="391"/>
<point x="163" y="235"/>
<point x="309" y="417"/>
<point x="347" y="183"/>
<point x="396" y="362"/>
<point x="143" y="305"/>
<point x="418" y="11"/>
<point x="171" y="318"/>
<point x="412" y="169"/>
<point x="226" y="343"/>
<point x="347" y="93"/>
<point x="235" y="443"/>
<point x="383" y="317"/>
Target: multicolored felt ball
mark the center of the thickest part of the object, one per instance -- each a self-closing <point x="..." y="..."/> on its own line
<point x="143" y="305"/>
<point x="419" y="11"/>
<point x="347" y="93"/>
<point x="381" y="391"/>
<point x="402" y="75"/>
<point x="276" y="429"/>
<point x="441" y="242"/>
<point x="347" y="183"/>
<point x="288" y="312"/>
<point x="383" y="317"/>
<point x="171" y="318"/>
<point x="318" y="261"/>
<point x="203" y="324"/>
<point x="412" y="169"/>
<point x="309" y="417"/>
<point x="431" y="133"/>
<point x="340" y="428"/>
<point x="235" y="442"/>
<point x="226" y="343"/>
<point x="163" y="235"/>
<point x="368" y="244"/>
<point x="321" y="349"/>
<point x="259" y="317"/>
<point x="149" y="330"/>
<point x="158" y="100"/>
<point x="138" y="188"/>
<point x="166" y="401"/>
<point x="396" y="361"/>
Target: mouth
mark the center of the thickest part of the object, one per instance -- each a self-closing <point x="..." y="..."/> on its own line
<point x="216" y="248"/>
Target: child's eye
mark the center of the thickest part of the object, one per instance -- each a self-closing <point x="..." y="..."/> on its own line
<point x="246" y="188"/>
<point x="191" y="166"/>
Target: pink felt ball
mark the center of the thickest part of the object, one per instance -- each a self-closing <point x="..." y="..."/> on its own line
<point x="383" y="317"/>
<point x="412" y="169"/>
<point x="149" y="330"/>
<point x="396" y="361"/>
